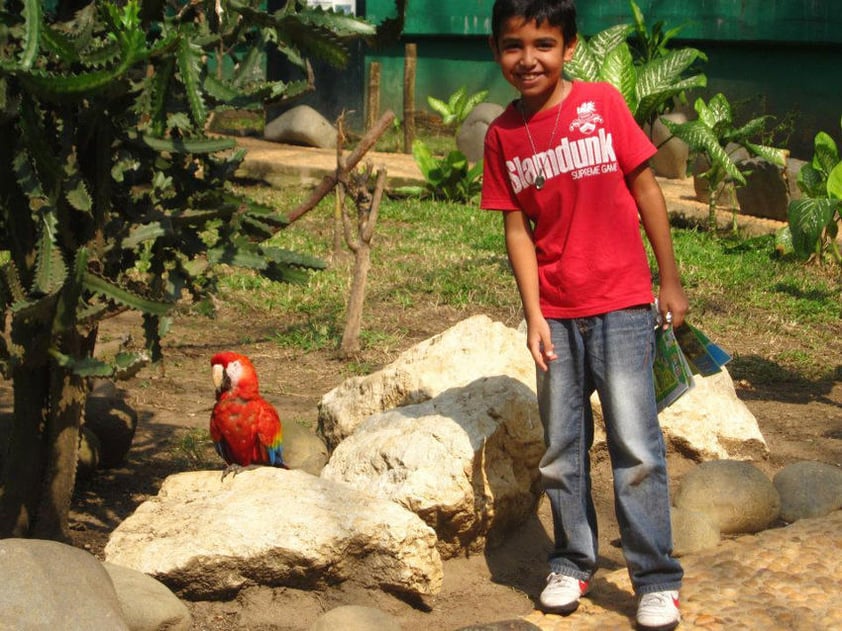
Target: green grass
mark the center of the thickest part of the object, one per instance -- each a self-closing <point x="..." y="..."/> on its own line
<point x="777" y="316"/>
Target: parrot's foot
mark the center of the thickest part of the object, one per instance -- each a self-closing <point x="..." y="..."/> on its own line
<point x="234" y="469"/>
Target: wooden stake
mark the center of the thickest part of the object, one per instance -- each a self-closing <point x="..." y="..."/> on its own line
<point x="372" y="109"/>
<point x="410" y="65"/>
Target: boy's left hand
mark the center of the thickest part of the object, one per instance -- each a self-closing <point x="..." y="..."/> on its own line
<point x="673" y="305"/>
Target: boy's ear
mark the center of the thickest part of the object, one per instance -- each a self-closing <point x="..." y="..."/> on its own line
<point x="570" y="48"/>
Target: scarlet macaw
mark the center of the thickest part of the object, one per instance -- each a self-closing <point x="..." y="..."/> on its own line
<point x="245" y="428"/>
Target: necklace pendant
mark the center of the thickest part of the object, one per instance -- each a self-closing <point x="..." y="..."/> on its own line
<point x="539" y="182"/>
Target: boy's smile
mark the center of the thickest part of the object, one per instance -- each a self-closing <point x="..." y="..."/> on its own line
<point x="531" y="58"/>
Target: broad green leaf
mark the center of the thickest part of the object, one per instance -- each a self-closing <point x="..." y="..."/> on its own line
<point x="605" y="41"/>
<point x="584" y="65"/>
<point x="752" y="128"/>
<point x="699" y="137"/>
<point x="770" y="154"/>
<point x="826" y="154"/>
<point x="811" y="181"/>
<point x="834" y="182"/>
<point x="438" y="106"/>
<point x="807" y="221"/>
<point x="717" y="113"/>
<point x="652" y="98"/>
<point x="618" y="69"/>
<point x="424" y="158"/>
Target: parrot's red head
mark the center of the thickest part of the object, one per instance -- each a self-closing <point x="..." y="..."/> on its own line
<point x="234" y="373"/>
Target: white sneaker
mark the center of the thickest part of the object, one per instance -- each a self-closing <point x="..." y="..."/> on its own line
<point x="562" y="593"/>
<point x="658" y="611"/>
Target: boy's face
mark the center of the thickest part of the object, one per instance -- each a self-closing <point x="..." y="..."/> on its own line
<point x="532" y="58"/>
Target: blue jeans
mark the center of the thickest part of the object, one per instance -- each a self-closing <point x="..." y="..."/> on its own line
<point x="612" y="354"/>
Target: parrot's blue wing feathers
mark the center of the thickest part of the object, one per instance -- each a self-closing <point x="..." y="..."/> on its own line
<point x="223" y="450"/>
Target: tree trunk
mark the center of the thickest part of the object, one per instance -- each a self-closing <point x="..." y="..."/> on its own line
<point x="350" y="344"/>
<point x="361" y="246"/>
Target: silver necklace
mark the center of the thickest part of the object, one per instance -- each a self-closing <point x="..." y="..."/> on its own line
<point x="540" y="179"/>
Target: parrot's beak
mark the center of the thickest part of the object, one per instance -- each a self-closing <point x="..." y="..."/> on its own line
<point x="218" y="376"/>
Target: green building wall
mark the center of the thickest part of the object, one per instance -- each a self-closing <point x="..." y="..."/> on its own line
<point x="781" y="57"/>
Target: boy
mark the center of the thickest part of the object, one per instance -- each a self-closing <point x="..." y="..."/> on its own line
<point x="567" y="165"/>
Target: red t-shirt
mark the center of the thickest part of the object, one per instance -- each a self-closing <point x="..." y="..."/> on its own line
<point x="591" y="258"/>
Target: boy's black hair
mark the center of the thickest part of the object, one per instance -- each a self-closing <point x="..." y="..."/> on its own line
<point x="561" y="13"/>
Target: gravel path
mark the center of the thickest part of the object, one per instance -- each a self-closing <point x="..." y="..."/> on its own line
<point x="785" y="578"/>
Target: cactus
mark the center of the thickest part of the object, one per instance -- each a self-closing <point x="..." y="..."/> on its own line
<point x="112" y="189"/>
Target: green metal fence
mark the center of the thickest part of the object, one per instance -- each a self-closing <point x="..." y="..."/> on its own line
<point x="779" y="57"/>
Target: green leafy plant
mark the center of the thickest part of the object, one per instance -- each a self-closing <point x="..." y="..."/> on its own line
<point x="650" y="44"/>
<point x="814" y="219"/>
<point x="714" y="136"/>
<point x="450" y="178"/>
<point x="116" y="198"/>
<point x="650" y="82"/>
<point x="458" y="106"/>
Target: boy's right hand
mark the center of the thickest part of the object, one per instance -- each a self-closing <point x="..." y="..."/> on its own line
<point x="540" y="343"/>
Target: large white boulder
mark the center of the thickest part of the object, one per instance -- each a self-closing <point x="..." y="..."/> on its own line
<point x="472" y="349"/>
<point x="206" y="538"/>
<point x="707" y="423"/>
<point x="466" y="461"/>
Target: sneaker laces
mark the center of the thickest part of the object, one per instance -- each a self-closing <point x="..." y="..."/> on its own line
<point x="655" y="603"/>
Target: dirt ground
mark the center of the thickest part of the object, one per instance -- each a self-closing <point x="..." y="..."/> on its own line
<point x="800" y="421"/>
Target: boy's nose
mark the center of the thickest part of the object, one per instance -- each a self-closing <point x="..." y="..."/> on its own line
<point x="527" y="58"/>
